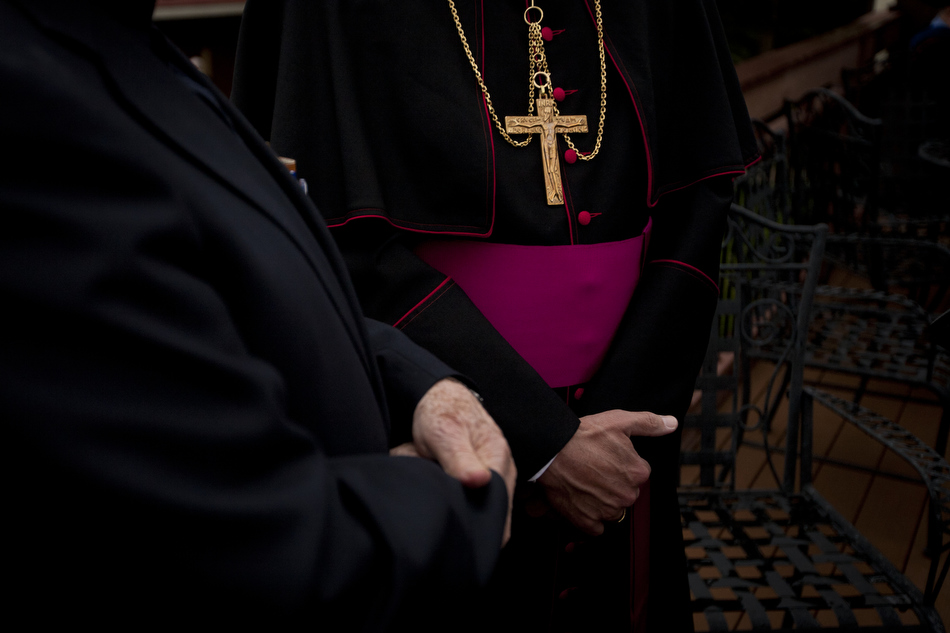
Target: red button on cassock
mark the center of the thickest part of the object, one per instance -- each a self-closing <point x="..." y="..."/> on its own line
<point x="570" y="156"/>
<point x="584" y="218"/>
<point x="547" y="34"/>
<point x="559" y="94"/>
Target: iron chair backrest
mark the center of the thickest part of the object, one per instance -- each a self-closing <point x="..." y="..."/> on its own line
<point x="911" y="115"/>
<point x="764" y="188"/>
<point x="834" y="159"/>
<point x="769" y="273"/>
<point x="917" y="269"/>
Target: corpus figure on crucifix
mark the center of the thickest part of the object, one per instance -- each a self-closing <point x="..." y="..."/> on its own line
<point x="549" y="126"/>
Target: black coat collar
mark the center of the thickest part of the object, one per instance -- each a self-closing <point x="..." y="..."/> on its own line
<point x="135" y="60"/>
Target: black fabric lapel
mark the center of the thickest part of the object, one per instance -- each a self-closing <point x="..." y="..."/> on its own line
<point x="161" y="101"/>
<point x="152" y="91"/>
<point x="234" y="161"/>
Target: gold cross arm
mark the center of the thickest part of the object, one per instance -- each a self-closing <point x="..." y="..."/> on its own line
<point x="548" y="125"/>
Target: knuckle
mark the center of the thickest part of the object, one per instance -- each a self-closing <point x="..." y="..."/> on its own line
<point x="640" y="473"/>
<point x="630" y="498"/>
<point x="652" y="422"/>
<point x="621" y="498"/>
<point x="608" y="512"/>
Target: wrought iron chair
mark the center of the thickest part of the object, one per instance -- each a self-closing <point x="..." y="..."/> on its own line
<point x="782" y="559"/>
<point x="917" y="269"/>
<point x="835" y="157"/>
<point x="862" y="174"/>
<point x="764" y="188"/>
<point x="876" y="334"/>
<point x="911" y="116"/>
<point x="883" y="332"/>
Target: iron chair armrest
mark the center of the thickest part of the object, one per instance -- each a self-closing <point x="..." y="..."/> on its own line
<point x="933" y="470"/>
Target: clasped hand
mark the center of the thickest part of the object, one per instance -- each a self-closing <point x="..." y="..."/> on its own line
<point x="598" y="473"/>
<point x="451" y="427"/>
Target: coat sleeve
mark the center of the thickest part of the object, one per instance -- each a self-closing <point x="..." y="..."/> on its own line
<point x="655" y="357"/>
<point x="654" y="360"/>
<point x="397" y="287"/>
<point x="408" y="371"/>
<point x="153" y="470"/>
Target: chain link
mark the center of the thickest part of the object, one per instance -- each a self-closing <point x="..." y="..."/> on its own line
<point x="603" y="91"/>
<point x="481" y="83"/>
<point x="537" y="65"/>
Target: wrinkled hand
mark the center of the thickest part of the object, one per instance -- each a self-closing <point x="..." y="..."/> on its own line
<point x="451" y="427"/>
<point x="598" y="473"/>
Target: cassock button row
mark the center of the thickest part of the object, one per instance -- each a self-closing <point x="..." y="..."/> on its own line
<point x="584" y="219"/>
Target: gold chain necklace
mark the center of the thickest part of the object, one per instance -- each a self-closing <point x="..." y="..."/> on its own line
<point x="549" y="121"/>
<point x="537" y="64"/>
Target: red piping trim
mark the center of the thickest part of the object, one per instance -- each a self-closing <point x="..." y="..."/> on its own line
<point x="636" y="109"/>
<point x="756" y="160"/>
<point x="491" y="132"/>
<point x="731" y="172"/>
<point x="643" y="129"/>
<point x="567" y="209"/>
<point x="427" y="297"/>
<point x="431" y="303"/>
<point x="646" y="142"/>
<point x="685" y="265"/>
<point x="389" y="221"/>
<point x="632" y="569"/>
<point x="333" y="223"/>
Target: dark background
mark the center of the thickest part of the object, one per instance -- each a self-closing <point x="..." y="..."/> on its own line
<point x="752" y="27"/>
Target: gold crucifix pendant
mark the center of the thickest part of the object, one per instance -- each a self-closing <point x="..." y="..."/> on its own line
<point x="548" y="126"/>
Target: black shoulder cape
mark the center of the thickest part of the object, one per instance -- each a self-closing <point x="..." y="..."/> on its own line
<point x="393" y="63"/>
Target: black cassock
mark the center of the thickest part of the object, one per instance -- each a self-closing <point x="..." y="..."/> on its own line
<point x="196" y="414"/>
<point x="379" y="105"/>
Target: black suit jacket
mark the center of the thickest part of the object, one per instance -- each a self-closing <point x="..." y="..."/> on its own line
<point x="197" y="415"/>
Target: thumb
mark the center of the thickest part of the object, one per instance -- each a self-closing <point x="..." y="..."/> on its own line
<point x="458" y="459"/>
<point x="646" y="424"/>
<point x="405" y="450"/>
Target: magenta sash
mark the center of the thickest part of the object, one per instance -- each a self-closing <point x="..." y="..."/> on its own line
<point x="558" y="306"/>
